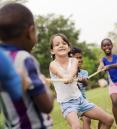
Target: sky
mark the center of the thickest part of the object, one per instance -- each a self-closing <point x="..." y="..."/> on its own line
<point x="94" y="18"/>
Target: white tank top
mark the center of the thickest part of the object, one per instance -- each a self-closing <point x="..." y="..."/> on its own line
<point x="65" y="92"/>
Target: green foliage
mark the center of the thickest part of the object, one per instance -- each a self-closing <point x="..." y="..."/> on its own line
<point x="91" y="58"/>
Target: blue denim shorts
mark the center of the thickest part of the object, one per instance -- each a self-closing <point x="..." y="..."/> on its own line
<point x="79" y="105"/>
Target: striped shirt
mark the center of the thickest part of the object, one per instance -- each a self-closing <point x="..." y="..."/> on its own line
<point x="23" y="114"/>
<point x="9" y="77"/>
<point x="81" y="86"/>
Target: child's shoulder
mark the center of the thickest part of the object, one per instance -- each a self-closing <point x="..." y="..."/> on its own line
<point x="83" y="70"/>
<point x="102" y="59"/>
<point x="23" y="55"/>
<point x="115" y="55"/>
<point x="83" y="73"/>
<point x="52" y="63"/>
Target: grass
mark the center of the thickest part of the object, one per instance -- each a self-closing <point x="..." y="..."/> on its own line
<point x="99" y="96"/>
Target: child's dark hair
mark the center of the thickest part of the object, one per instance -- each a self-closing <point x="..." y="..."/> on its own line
<point x="64" y="39"/>
<point x="75" y="50"/>
<point x="14" y="18"/>
<point x="62" y="36"/>
<point x="106" y="39"/>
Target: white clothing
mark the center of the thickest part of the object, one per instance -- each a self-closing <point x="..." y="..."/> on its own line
<point x="65" y="92"/>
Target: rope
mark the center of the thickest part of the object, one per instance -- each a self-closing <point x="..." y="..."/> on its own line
<point x="75" y="79"/>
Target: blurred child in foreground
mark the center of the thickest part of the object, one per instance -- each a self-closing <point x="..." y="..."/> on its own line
<point x="18" y="36"/>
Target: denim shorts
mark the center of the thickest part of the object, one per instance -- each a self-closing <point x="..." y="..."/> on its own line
<point x="79" y="105"/>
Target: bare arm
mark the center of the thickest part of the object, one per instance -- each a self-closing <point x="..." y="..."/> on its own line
<point x="107" y="67"/>
<point x="101" y="65"/>
<point x="111" y="66"/>
<point x="74" y="68"/>
<point x="44" y="101"/>
<point x="53" y="68"/>
<point x="71" y="74"/>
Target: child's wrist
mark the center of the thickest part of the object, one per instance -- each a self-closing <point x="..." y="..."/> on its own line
<point x="109" y="67"/>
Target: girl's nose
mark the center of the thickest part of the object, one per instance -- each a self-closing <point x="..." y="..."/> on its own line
<point x="61" y="44"/>
<point x="107" y="46"/>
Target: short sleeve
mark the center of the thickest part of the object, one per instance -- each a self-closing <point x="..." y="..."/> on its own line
<point x="33" y="71"/>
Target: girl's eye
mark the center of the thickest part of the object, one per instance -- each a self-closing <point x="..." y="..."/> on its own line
<point x="107" y="45"/>
<point x="64" y="43"/>
<point x="57" y="44"/>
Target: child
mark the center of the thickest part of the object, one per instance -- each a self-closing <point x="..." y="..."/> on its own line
<point x="82" y="81"/>
<point x="18" y="36"/>
<point x="109" y="63"/>
<point x="68" y="94"/>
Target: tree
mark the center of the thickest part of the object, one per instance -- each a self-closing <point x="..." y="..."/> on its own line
<point x="90" y="52"/>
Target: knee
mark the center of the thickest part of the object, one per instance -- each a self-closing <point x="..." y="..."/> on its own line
<point x="110" y="121"/>
<point x="114" y="103"/>
<point x="87" y="120"/>
<point x="75" y="126"/>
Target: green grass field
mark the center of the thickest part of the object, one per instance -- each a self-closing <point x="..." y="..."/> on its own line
<point x="99" y="96"/>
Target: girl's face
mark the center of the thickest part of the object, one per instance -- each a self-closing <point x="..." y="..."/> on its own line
<point x="60" y="47"/>
<point x="78" y="56"/>
<point x="107" y="47"/>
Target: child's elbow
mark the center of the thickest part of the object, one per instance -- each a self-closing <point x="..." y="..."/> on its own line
<point x="48" y="109"/>
<point x="44" y="103"/>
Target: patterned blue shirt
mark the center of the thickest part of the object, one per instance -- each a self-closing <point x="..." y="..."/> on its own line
<point x="82" y="73"/>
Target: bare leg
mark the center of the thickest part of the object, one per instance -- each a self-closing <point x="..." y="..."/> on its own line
<point x="114" y="105"/>
<point x="73" y="120"/>
<point x="98" y="114"/>
<point x="86" y="122"/>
